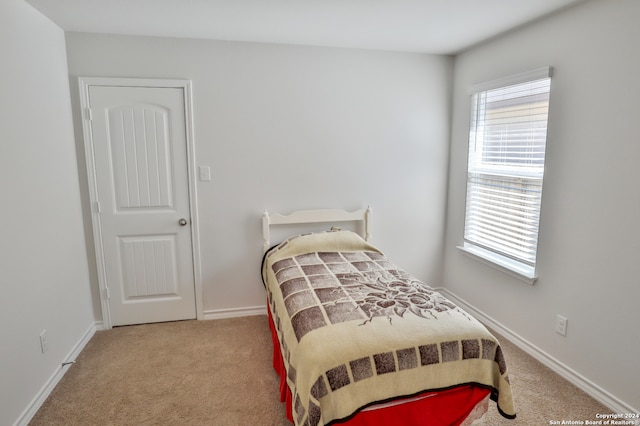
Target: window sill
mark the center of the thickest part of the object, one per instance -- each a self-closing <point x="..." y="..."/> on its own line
<point x="517" y="270"/>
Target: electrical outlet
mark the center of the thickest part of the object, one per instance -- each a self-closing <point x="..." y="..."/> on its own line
<point x="561" y="325"/>
<point x="43" y="341"/>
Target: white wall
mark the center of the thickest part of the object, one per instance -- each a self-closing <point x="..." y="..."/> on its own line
<point x="44" y="276"/>
<point x="589" y="242"/>
<point x="290" y="127"/>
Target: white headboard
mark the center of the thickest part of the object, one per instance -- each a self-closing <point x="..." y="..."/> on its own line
<point x="314" y="216"/>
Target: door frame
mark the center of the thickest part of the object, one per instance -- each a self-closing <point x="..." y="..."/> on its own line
<point x="84" y="84"/>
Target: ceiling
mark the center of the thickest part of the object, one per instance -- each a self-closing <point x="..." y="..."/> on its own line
<point x="426" y="26"/>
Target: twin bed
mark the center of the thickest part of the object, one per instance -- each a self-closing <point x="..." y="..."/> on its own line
<point x="358" y="341"/>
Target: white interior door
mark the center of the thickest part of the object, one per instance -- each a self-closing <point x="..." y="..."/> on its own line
<point x="142" y="179"/>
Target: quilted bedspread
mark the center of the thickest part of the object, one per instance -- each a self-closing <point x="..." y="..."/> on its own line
<point x="354" y="330"/>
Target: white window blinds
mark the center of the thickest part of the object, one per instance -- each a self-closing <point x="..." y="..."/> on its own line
<point x="507" y="140"/>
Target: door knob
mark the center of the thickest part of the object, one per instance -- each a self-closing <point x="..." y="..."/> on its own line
<point x="182" y="222"/>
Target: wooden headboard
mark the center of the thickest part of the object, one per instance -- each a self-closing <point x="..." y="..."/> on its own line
<point x="314" y="216"/>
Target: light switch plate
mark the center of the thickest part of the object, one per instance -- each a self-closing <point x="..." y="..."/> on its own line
<point x="205" y="173"/>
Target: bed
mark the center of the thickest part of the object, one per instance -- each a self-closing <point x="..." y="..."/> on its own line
<point x="358" y="341"/>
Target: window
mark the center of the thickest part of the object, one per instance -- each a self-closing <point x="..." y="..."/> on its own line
<point x="507" y="139"/>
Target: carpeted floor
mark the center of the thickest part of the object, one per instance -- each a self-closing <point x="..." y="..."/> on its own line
<point x="219" y="373"/>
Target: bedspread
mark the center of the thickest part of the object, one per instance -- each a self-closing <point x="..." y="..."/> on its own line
<point x="354" y="329"/>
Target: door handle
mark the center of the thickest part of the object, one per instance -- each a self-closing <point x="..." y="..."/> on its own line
<point x="182" y="222"/>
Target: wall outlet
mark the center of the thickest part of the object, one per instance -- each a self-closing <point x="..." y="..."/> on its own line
<point x="44" y="345"/>
<point x="561" y="325"/>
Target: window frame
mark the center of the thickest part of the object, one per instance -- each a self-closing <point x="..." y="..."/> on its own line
<point x="503" y="262"/>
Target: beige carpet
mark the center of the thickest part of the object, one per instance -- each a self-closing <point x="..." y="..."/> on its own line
<point x="219" y="373"/>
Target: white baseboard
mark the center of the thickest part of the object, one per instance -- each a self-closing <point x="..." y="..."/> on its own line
<point x="235" y="312"/>
<point x="564" y="371"/>
<point x="50" y="384"/>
